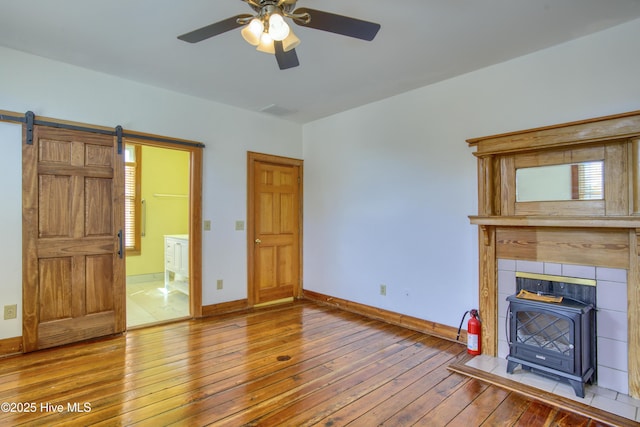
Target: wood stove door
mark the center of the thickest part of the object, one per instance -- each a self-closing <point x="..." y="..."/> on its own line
<point x="543" y="337"/>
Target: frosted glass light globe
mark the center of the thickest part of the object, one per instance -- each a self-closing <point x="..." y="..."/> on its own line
<point x="278" y="29"/>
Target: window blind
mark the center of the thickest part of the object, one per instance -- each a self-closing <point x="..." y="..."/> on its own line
<point x="130" y="206"/>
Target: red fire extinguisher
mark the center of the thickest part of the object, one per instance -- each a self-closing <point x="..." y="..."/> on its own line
<point x="473" y="332"/>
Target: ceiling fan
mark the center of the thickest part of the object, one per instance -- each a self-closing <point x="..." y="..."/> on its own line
<point x="268" y="31"/>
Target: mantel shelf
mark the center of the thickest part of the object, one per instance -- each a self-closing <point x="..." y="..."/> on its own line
<point x="558" y="221"/>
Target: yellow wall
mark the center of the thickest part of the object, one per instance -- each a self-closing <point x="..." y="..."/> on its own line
<point x="164" y="171"/>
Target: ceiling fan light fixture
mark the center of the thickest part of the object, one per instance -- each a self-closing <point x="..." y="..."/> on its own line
<point x="278" y="29"/>
<point x="266" y="44"/>
<point x="290" y="42"/>
<point x="268" y="30"/>
<point x="252" y="32"/>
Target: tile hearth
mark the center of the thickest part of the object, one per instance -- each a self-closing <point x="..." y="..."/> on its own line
<point x="597" y="397"/>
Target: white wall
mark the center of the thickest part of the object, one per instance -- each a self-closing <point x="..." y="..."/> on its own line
<point x="11" y="227"/>
<point x="57" y="90"/>
<point x="389" y="186"/>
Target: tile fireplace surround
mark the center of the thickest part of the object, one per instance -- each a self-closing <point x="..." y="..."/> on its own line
<point x="611" y="296"/>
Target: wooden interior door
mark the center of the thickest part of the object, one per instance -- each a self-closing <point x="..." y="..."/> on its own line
<point x="73" y="214"/>
<point x="274" y="228"/>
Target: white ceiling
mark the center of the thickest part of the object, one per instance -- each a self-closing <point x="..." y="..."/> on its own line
<point x="420" y="42"/>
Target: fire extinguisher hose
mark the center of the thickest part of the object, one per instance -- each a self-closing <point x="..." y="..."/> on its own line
<point x="461" y="322"/>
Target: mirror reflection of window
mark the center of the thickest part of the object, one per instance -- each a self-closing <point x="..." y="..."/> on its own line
<point x="578" y="181"/>
<point x="588" y="181"/>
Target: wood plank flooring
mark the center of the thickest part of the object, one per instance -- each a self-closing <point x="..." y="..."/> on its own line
<point x="292" y="365"/>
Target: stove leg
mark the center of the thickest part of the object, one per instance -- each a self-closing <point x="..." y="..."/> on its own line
<point x="511" y="366"/>
<point x="578" y="387"/>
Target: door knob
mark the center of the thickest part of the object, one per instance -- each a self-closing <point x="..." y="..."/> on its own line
<point x="258" y="241"/>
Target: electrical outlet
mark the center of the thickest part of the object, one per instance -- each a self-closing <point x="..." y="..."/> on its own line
<point x="10" y="311"/>
<point x="219" y="284"/>
<point x="207" y="225"/>
<point x="383" y="290"/>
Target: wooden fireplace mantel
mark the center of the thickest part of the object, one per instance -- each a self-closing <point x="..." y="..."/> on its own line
<point x="589" y="232"/>
<point x="555" y="221"/>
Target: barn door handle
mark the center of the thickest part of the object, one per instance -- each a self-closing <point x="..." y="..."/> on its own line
<point x="120" y="252"/>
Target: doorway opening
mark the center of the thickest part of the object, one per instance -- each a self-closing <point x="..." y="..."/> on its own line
<point x="157" y="203"/>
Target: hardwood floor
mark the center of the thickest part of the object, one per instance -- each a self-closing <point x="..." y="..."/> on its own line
<point x="291" y="365"/>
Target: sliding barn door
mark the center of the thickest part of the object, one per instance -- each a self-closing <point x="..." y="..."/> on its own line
<point x="73" y="274"/>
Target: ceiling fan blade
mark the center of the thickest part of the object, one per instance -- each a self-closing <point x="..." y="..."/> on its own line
<point x="287" y="59"/>
<point x="338" y="24"/>
<point x="213" y="29"/>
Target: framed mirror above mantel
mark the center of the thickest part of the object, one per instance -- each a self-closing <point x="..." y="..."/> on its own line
<point x="568" y="194"/>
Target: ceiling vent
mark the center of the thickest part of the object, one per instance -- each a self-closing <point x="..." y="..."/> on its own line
<point x="276" y="110"/>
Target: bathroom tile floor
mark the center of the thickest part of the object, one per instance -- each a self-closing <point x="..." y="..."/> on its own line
<point x="147" y="302"/>
<point x="598" y="397"/>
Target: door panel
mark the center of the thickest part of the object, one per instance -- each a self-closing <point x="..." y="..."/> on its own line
<point x="55" y="287"/>
<point x="98" y="220"/>
<point x="73" y="274"/>
<point x="288" y="221"/>
<point x="99" y="279"/>
<point x="266" y="260"/>
<point x="54" y="201"/>
<point x="275" y="227"/>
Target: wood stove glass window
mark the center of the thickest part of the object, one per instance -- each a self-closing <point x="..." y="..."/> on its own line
<point x="544" y="330"/>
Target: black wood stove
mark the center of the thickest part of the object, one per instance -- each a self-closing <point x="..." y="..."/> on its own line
<point x="554" y="339"/>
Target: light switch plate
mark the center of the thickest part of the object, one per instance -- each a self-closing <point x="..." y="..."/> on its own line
<point x="10" y="311"/>
<point x="239" y="225"/>
<point x="207" y="225"/>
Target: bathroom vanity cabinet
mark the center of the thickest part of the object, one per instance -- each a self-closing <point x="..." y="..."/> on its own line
<point x="176" y="263"/>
